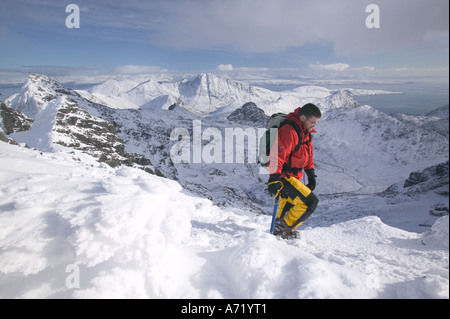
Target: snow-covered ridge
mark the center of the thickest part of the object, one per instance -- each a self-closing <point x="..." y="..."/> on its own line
<point x="357" y="147"/>
<point x="207" y="93"/>
<point x="61" y="117"/>
<point x="35" y="94"/>
<point x="201" y="94"/>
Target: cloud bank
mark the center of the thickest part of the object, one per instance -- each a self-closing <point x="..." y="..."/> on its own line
<point x="338" y="67"/>
<point x="276" y="25"/>
<point x="250" y="26"/>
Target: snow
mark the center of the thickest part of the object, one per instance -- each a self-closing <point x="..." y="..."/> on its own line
<point x="72" y="227"/>
<point x="207" y="93"/>
<point x="76" y="228"/>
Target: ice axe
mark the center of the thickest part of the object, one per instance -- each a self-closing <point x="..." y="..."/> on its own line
<point x="274" y="214"/>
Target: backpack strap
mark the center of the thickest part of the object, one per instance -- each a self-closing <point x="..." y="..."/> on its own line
<point x="287" y="167"/>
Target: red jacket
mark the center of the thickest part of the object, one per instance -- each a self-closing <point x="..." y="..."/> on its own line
<point x="287" y="141"/>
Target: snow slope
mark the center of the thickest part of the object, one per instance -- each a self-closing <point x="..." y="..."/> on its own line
<point x="76" y="228"/>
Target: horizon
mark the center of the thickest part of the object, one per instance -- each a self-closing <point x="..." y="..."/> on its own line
<point x="414" y="98"/>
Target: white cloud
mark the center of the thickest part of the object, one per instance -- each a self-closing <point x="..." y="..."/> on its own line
<point x="138" y="69"/>
<point x="337" y="67"/>
<point x="225" y="67"/>
<point x="276" y="25"/>
<point x="365" y="68"/>
<point x="230" y="67"/>
<point x="249" y="26"/>
<point x="250" y="69"/>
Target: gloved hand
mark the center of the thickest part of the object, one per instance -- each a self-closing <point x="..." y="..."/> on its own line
<point x="311" y="178"/>
<point x="274" y="184"/>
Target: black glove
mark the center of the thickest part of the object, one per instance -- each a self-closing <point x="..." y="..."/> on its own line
<point x="311" y="179"/>
<point x="274" y="184"/>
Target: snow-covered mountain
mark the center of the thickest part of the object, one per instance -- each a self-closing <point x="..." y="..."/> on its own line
<point x="207" y="93"/>
<point x="372" y="148"/>
<point x="63" y="118"/>
<point x="358" y="149"/>
<point x="436" y="120"/>
<point x="202" y="134"/>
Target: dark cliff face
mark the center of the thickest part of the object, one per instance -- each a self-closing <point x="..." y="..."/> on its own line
<point x="432" y="179"/>
<point x="249" y="114"/>
<point x="97" y="137"/>
<point x="13" y="120"/>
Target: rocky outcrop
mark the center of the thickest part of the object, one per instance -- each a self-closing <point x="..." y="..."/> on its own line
<point x="13" y="121"/>
<point x="434" y="178"/>
<point x="249" y="114"/>
<point x="78" y="129"/>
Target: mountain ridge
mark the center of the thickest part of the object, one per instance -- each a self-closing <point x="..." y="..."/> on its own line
<point x="207" y="93"/>
<point x="358" y="149"/>
<point x="61" y="117"/>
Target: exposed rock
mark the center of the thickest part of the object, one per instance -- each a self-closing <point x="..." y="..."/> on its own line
<point x="14" y="120"/>
<point x="249" y="114"/>
<point x="434" y="178"/>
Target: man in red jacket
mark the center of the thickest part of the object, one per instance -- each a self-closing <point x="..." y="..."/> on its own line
<point x="297" y="202"/>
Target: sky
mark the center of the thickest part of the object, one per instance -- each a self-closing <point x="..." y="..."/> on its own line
<point x="293" y="39"/>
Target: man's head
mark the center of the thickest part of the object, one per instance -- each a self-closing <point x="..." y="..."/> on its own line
<point x="309" y="115"/>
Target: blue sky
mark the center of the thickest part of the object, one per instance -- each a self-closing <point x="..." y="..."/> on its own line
<point x="326" y="39"/>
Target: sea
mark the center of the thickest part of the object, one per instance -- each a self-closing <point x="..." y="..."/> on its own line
<point x="412" y="97"/>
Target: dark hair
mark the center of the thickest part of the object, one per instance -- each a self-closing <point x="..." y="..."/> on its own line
<point x="309" y="110"/>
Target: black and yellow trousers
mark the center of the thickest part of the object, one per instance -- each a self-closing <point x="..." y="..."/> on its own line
<point x="297" y="202"/>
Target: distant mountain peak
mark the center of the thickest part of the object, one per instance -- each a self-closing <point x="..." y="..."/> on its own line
<point x="341" y="98"/>
<point x="249" y="114"/>
<point x="113" y="87"/>
<point x="62" y="117"/>
<point x="36" y="92"/>
<point x="205" y="93"/>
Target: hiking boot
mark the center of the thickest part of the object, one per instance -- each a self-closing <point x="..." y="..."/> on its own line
<point x="284" y="231"/>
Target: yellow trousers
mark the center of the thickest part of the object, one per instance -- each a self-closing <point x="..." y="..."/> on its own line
<point x="297" y="202"/>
